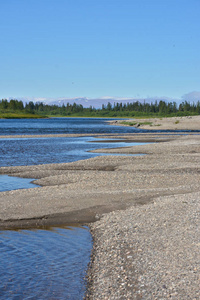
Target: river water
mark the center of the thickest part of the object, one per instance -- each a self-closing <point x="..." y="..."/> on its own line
<point x="60" y="125"/>
<point x="46" y="263"/>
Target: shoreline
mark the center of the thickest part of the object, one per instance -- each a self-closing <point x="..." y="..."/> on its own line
<point x="145" y="236"/>
<point x="53" y="179"/>
<point x="170" y="123"/>
<point x="81" y="191"/>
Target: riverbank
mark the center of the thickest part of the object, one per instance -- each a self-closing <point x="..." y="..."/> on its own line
<point x="81" y="191"/>
<point x="147" y="246"/>
<point x="172" y="123"/>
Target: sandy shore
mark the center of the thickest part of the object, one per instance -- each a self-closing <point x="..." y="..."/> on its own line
<point x="174" y="123"/>
<point x="146" y="239"/>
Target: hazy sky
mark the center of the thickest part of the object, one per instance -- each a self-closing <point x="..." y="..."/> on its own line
<point x="98" y="48"/>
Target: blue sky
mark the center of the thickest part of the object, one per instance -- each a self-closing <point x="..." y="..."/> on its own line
<point x="57" y="49"/>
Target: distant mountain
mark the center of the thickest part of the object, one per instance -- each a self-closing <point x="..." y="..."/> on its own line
<point x="98" y="102"/>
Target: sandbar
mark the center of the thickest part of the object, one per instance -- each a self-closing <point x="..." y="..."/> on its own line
<point x="80" y="192"/>
<point x="143" y="212"/>
<point x="171" y="123"/>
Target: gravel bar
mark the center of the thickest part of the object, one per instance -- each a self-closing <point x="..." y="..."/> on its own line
<point x="146" y="208"/>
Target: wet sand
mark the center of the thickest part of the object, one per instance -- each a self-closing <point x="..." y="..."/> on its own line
<point x="147" y="247"/>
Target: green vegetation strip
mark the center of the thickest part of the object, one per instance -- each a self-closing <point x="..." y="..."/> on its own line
<point x="19" y="115"/>
<point x="17" y="109"/>
<point x="136" y="123"/>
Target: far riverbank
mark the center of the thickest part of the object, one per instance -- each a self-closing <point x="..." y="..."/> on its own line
<point x="171" y="123"/>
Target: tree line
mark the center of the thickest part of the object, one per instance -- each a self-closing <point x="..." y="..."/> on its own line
<point x="157" y="108"/>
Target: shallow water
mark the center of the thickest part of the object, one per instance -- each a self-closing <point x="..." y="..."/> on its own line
<point x="44" y="264"/>
<point x="34" y="151"/>
<point x="8" y="183"/>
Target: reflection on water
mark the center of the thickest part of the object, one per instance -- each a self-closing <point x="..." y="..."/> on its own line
<point x="43" y="264"/>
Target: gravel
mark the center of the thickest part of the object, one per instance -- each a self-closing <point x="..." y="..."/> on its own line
<point x="146" y="239"/>
<point x="148" y="252"/>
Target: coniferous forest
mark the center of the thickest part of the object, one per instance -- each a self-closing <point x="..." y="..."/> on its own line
<point x="17" y="109"/>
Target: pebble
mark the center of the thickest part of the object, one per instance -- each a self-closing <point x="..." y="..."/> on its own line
<point x="164" y="261"/>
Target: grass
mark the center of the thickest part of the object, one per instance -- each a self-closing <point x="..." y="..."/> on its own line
<point x="146" y="123"/>
<point x="134" y="123"/>
<point x="129" y="123"/>
<point x="9" y="115"/>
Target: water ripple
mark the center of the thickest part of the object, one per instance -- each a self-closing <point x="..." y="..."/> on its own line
<point x="43" y="264"/>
